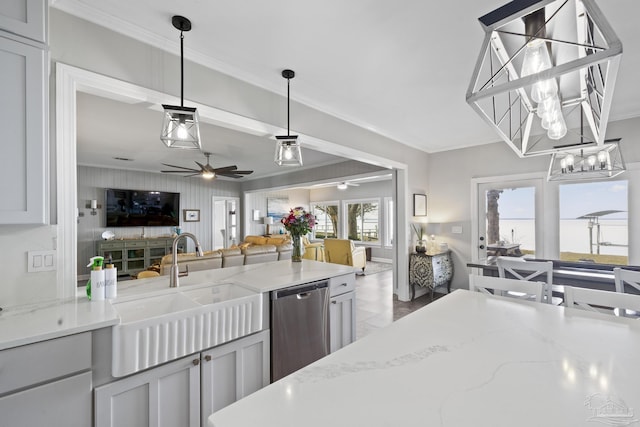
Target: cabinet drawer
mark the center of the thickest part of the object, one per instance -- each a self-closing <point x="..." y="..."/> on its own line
<point x="66" y="402"/>
<point x="135" y="244"/>
<point x="113" y="245"/>
<point x="44" y="361"/>
<point x="340" y="284"/>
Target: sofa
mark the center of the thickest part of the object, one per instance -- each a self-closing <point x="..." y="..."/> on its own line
<point x="223" y="258"/>
<point x="209" y="260"/>
<point x="343" y="251"/>
<point x="281" y="243"/>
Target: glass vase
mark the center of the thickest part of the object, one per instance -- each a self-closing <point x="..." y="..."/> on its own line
<point x="298" y="248"/>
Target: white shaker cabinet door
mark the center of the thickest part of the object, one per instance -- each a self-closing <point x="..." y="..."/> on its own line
<point x="26" y="18"/>
<point x="233" y="371"/>
<point x="166" y="396"/>
<point x="342" y="314"/>
<point x="23" y="108"/>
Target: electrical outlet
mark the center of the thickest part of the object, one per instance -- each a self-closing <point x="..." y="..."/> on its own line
<point x="456" y="229"/>
<point x="41" y="261"/>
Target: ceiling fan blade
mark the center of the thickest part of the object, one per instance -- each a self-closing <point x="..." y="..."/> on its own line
<point x="193" y="174"/>
<point x="181" y="167"/>
<point x="225" y="169"/>
<point x="191" y="170"/>
<point x="203" y="167"/>
<point x="231" y="175"/>
<point x="242" y="172"/>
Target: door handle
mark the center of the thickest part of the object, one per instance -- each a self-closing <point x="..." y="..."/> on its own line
<point x="303" y="295"/>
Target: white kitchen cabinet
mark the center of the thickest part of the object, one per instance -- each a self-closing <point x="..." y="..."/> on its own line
<point x="167" y="396"/>
<point x="186" y="391"/>
<point x="65" y="402"/>
<point x="47" y="383"/>
<point x="26" y="18"/>
<point x="233" y="371"/>
<point x="342" y="311"/>
<point x="24" y="111"/>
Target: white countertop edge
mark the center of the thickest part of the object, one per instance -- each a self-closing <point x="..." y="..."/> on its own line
<point x="31" y="323"/>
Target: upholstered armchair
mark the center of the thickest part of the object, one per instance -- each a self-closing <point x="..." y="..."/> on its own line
<point x="313" y="251"/>
<point x="343" y="251"/>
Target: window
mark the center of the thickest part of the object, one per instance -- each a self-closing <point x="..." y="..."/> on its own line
<point x="326" y="220"/>
<point x="363" y="221"/>
<point x="594" y="222"/>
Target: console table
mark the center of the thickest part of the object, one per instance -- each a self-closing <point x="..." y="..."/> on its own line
<point x="131" y="256"/>
<point x="430" y="269"/>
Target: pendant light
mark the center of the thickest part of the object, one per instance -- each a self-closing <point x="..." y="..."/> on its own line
<point x="543" y="65"/>
<point x="288" y="151"/>
<point x="180" y="127"/>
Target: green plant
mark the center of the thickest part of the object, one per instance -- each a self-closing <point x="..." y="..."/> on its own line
<point x="419" y="231"/>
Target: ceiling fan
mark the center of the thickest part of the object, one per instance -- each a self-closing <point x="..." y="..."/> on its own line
<point x="207" y="171"/>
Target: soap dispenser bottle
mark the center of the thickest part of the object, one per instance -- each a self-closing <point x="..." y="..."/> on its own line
<point x="110" y="281"/>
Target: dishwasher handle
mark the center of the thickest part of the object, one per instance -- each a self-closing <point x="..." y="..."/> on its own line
<point x="301" y="291"/>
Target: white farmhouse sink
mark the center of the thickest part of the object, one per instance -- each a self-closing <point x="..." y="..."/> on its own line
<point x="155" y="330"/>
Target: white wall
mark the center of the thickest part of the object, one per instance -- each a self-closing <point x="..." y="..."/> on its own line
<point x="450" y="174"/>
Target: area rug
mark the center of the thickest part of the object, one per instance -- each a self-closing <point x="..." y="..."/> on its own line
<point x="374" y="267"/>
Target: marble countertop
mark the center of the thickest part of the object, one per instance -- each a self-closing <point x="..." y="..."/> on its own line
<point x="27" y="324"/>
<point x="31" y="323"/>
<point x="465" y="360"/>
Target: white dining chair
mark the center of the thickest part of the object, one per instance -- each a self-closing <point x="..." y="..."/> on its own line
<point x="598" y="301"/>
<point x="518" y="268"/>
<point x="624" y="278"/>
<point x="512" y="288"/>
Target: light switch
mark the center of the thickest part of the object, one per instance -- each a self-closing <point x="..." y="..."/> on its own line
<point x="41" y="261"/>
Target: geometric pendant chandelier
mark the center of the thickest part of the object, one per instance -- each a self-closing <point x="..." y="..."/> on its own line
<point x="288" y="151"/>
<point x="180" y="125"/>
<point x="595" y="162"/>
<point x="545" y="75"/>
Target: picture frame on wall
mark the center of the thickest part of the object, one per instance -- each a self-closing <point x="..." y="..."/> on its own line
<point x="191" y="215"/>
<point x="277" y="207"/>
<point x="419" y="205"/>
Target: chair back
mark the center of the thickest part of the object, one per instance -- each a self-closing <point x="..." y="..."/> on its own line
<point x="338" y="251"/>
<point x="513" y="288"/>
<point x="624" y="278"/>
<point x="617" y="303"/>
<point x="517" y="268"/>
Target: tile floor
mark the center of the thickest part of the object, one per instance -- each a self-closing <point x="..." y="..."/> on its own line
<point x="377" y="307"/>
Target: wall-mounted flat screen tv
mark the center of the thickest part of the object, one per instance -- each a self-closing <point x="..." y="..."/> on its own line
<point x="141" y="208"/>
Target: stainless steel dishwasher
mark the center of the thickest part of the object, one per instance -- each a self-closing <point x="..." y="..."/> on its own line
<point x="299" y="327"/>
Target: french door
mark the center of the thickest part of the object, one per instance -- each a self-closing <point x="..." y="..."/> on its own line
<point x="508" y="218"/>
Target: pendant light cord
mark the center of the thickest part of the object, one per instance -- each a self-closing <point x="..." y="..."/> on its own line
<point x="181" y="69"/>
<point x="288" y="106"/>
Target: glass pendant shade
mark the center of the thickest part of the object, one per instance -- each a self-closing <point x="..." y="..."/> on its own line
<point x="288" y="152"/>
<point x="180" y="127"/>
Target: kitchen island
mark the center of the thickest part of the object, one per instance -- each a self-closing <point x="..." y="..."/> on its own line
<point x="464" y="360"/>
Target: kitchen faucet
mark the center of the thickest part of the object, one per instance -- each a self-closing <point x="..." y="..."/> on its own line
<point x="175" y="270"/>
